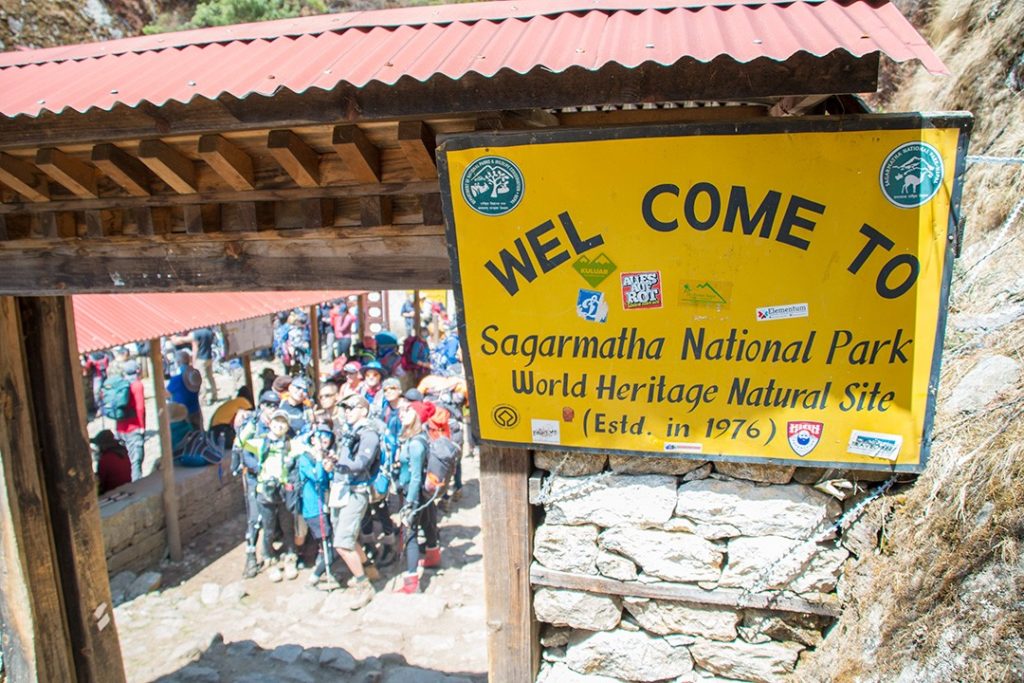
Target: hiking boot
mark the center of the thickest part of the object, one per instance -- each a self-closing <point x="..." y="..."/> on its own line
<point x="371" y="572"/>
<point x="313" y="579"/>
<point x="362" y="594"/>
<point x="275" y="574"/>
<point x="329" y="584"/>
<point x="388" y="551"/>
<point x="410" y="584"/>
<point x="290" y="571"/>
<point x="456" y="495"/>
<point x="432" y="558"/>
<point x="251" y="567"/>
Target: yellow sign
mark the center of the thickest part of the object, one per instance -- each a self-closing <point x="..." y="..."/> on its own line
<point x="769" y="291"/>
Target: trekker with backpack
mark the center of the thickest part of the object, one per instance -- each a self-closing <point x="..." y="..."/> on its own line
<point x="358" y="459"/>
<point x="271" y="458"/>
<point x="123" y="399"/>
<point x="253" y="426"/>
<point x="415" y="358"/>
<point x="418" y="510"/>
<point x="315" y="449"/>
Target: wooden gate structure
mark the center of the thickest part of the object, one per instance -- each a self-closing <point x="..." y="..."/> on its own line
<point x="300" y="154"/>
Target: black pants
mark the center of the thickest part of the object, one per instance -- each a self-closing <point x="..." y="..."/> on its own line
<point x="273" y="515"/>
<point x="252" y="516"/>
<point x="427" y="519"/>
<point x="378" y="512"/>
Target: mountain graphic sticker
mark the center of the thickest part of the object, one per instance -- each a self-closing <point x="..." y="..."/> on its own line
<point x="594" y="271"/>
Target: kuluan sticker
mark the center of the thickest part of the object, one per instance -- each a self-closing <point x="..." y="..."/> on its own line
<point x="641" y="289"/>
<point x="591" y="305"/>
<point x="546" y="431"/>
<point x="594" y="270"/>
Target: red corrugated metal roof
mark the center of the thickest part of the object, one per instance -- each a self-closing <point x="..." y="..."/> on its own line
<point x="106" y="320"/>
<point x="358" y="48"/>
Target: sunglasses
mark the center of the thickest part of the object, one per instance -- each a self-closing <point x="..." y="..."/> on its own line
<point x="328" y="396"/>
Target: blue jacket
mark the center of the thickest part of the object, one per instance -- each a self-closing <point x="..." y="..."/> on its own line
<point x="412" y="459"/>
<point x="315" y="484"/>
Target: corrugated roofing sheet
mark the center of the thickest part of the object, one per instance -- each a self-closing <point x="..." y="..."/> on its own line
<point x="106" y="320"/>
<point x="450" y="41"/>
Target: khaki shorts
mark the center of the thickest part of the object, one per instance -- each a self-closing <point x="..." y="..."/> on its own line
<point x="346" y="520"/>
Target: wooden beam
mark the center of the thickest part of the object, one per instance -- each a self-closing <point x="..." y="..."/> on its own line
<point x="796" y="105"/>
<point x="37" y="642"/>
<point x="170" y="165"/>
<point x="143" y="216"/>
<point x="163" y="418"/>
<point x="21" y="177"/>
<point x="431" y="206"/>
<point x="401" y="257"/>
<point x="318" y="213"/>
<point x="78" y="176"/>
<point x="230" y="162"/>
<point x="314" y="343"/>
<point x="3" y="227"/>
<point x="166" y="200"/>
<point x="121" y="167"/>
<point x="375" y="210"/>
<point x="247" y="367"/>
<point x="193" y="214"/>
<point x="48" y="225"/>
<point x="360" y="156"/>
<point x="719" y="597"/>
<point x="513" y="643"/>
<point x="297" y="158"/>
<point x="418" y="144"/>
<point x="721" y="79"/>
<point x="240" y="217"/>
<point x="93" y="224"/>
<point x="58" y="403"/>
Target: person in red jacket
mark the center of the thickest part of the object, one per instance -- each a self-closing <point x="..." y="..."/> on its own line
<point x="131" y="429"/>
<point x="113" y="469"/>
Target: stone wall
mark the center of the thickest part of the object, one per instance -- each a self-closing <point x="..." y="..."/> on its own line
<point x="619" y="534"/>
<point x="132" y="516"/>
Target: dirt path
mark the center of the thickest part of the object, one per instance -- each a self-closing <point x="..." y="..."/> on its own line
<point x="207" y="624"/>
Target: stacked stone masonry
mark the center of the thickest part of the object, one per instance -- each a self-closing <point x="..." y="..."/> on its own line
<point x="132" y="516"/>
<point x="723" y="529"/>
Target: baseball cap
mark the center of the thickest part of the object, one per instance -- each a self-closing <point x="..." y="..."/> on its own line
<point x="356" y="400"/>
<point x="279" y="415"/>
<point x="281" y="383"/>
<point x="391" y="383"/>
<point x="300" y="383"/>
<point x="350" y="368"/>
<point x="270" y="397"/>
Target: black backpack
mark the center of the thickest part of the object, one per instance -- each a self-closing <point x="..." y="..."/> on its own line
<point x="116" y="398"/>
<point x="442" y="455"/>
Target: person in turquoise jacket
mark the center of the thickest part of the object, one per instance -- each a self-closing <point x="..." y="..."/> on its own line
<point x="316" y="449"/>
<point x="416" y="512"/>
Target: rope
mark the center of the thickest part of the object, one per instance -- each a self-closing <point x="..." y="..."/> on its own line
<point x="984" y="159"/>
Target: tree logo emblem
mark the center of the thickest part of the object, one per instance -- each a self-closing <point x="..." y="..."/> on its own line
<point x="911" y="174"/>
<point x="492" y="186"/>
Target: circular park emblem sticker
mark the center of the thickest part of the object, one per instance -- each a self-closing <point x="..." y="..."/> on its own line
<point x="492" y="186"/>
<point x="911" y="174"/>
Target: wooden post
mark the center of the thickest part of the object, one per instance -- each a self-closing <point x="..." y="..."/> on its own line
<point x="247" y="365"/>
<point x="170" y="493"/>
<point x="513" y="640"/>
<point x="314" y="343"/>
<point x="416" y="316"/>
<point x="37" y="642"/>
<point x="58" y="403"/>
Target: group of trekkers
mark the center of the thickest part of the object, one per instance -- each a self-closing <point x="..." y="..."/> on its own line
<point x="356" y="473"/>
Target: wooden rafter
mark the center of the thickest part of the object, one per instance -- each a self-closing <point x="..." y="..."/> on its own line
<point x="230" y="162"/>
<point x="21" y="177"/>
<point x="375" y="210"/>
<point x="170" y="165"/>
<point x="297" y="158"/>
<point x="121" y="167"/>
<point x="361" y="157"/>
<point x="418" y="144"/>
<point x="78" y="176"/>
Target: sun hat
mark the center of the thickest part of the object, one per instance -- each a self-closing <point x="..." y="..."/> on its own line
<point x="192" y="379"/>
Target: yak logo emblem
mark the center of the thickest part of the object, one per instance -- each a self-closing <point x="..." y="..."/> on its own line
<point x="803" y="436"/>
<point x="911" y="175"/>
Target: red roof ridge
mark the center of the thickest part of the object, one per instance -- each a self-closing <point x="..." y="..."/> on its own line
<point x="495" y="10"/>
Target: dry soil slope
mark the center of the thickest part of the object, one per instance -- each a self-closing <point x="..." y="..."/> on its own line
<point x="942" y="599"/>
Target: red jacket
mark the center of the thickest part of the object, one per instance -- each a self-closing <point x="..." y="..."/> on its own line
<point x="138" y="419"/>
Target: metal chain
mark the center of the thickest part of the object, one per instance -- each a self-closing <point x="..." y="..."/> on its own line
<point x="836" y="527"/>
<point x="985" y="159"/>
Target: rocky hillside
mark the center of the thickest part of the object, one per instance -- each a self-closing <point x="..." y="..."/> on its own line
<point x="942" y="600"/>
